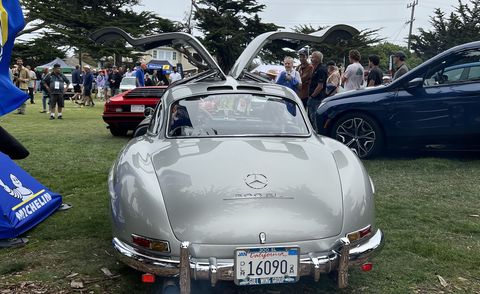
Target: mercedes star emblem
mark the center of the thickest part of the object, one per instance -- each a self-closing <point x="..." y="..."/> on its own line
<point x="256" y="181"/>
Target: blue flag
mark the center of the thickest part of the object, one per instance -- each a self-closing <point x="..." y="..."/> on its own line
<point x="24" y="202"/>
<point x="11" y="22"/>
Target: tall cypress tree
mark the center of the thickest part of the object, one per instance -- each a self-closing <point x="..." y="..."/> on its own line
<point x="461" y="26"/>
<point x="68" y="24"/>
<point x="228" y="27"/>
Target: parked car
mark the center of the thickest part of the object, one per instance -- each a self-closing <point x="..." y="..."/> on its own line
<point x="437" y="102"/>
<point x="128" y="83"/>
<point x="125" y="111"/>
<point x="69" y="93"/>
<point x="231" y="183"/>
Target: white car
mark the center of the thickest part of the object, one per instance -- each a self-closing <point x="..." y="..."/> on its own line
<point x="128" y="83"/>
<point x="70" y="92"/>
<point x="231" y="183"/>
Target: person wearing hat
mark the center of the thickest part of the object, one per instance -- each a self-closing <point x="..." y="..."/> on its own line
<point x="305" y="69"/>
<point x="87" y="87"/>
<point x="56" y="84"/>
<point x="399" y="61"/>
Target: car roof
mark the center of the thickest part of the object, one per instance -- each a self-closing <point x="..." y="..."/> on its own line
<point x="228" y="86"/>
<point x="433" y="60"/>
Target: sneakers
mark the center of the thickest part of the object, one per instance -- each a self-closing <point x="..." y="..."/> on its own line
<point x="59" y="117"/>
<point x="52" y="117"/>
<point x="43" y="111"/>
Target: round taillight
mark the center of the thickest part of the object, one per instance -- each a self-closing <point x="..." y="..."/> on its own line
<point x="366" y="267"/>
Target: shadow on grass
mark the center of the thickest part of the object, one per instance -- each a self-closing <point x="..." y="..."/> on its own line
<point x="411" y="154"/>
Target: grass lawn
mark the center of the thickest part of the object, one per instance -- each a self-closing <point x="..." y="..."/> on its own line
<point x="427" y="205"/>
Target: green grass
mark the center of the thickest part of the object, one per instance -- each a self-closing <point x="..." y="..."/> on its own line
<point x="424" y="205"/>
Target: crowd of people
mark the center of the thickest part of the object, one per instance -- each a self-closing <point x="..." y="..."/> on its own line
<point x="314" y="81"/>
<point x="87" y="82"/>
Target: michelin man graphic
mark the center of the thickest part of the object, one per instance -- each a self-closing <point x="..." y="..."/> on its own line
<point x="20" y="191"/>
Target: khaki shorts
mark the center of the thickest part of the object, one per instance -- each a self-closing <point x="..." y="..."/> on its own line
<point x="56" y="99"/>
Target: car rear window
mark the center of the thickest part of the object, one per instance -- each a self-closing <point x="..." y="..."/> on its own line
<point x="236" y="115"/>
<point x="145" y="93"/>
<point x="130" y="81"/>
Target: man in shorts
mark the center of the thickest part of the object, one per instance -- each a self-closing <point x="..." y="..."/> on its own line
<point x="87" y="87"/>
<point x="77" y="83"/>
<point x="56" y="84"/>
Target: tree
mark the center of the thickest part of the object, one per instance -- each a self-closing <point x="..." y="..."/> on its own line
<point x="384" y="50"/>
<point x="68" y="24"/>
<point x="461" y="26"/>
<point x="228" y="26"/>
<point x="30" y="52"/>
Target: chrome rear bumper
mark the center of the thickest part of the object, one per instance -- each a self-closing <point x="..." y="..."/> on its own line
<point x="343" y="256"/>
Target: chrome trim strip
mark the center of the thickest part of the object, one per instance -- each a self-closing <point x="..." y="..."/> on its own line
<point x="312" y="264"/>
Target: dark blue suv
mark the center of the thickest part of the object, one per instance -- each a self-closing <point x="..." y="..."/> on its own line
<point x="437" y="102"/>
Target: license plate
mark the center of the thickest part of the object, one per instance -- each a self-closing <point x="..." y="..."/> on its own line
<point x="266" y="265"/>
<point x="137" y="108"/>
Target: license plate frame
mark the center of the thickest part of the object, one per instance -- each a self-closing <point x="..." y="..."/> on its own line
<point x="242" y="254"/>
<point x="137" y="108"/>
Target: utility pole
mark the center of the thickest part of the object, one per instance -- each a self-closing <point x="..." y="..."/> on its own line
<point x="189" y="24"/>
<point x="412" y="19"/>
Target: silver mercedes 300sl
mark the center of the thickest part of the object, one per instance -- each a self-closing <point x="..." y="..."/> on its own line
<point x="231" y="183"/>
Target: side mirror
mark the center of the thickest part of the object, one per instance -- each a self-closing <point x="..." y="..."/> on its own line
<point x="148" y="111"/>
<point x="415" y="83"/>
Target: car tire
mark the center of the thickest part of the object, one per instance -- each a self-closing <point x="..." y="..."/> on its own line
<point x="359" y="132"/>
<point x="118" y="131"/>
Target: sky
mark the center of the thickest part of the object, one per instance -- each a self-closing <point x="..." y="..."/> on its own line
<point x="387" y="15"/>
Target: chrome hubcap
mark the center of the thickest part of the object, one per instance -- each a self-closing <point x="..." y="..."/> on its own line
<point x="357" y="134"/>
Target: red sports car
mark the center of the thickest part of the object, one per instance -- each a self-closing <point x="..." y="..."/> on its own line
<point x="125" y="111"/>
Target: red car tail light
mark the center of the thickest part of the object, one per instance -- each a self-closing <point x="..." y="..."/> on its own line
<point x="357" y="235"/>
<point x="152" y="244"/>
<point x="113" y="108"/>
<point x="148" y="278"/>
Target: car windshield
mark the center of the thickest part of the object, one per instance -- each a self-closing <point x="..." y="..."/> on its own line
<point x="236" y="115"/>
<point x="128" y="81"/>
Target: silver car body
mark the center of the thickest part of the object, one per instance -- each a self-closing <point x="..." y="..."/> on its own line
<point x="196" y="194"/>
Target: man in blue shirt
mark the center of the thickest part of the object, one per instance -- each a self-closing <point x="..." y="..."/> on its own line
<point x="289" y="77"/>
<point x="77" y="83"/>
<point x="87" y="87"/>
<point x="140" y="75"/>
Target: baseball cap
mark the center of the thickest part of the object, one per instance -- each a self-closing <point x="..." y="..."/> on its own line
<point x="86" y="66"/>
<point x="303" y="52"/>
<point x="56" y="65"/>
<point x="400" y="55"/>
